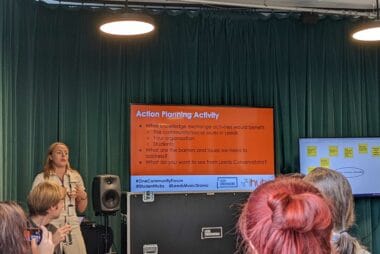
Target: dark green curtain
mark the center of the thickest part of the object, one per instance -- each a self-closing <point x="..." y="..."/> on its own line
<point x="61" y="80"/>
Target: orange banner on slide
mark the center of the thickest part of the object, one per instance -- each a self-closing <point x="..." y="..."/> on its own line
<point x="201" y="140"/>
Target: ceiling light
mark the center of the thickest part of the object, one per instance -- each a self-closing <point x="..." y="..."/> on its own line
<point x="127" y="24"/>
<point x="370" y="31"/>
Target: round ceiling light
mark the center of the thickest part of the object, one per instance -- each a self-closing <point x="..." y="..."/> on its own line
<point x="368" y="32"/>
<point x="127" y="24"/>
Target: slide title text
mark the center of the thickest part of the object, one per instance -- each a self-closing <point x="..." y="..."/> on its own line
<point x="177" y="115"/>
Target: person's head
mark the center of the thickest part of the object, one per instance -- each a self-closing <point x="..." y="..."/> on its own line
<point x="336" y="188"/>
<point x="294" y="175"/>
<point x="286" y="215"/>
<point x="13" y="223"/>
<point x="47" y="198"/>
<point x="57" y="156"/>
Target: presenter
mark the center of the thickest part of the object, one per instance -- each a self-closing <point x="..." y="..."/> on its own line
<point x="57" y="169"/>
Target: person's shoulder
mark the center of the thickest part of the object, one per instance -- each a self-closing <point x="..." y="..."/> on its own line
<point x="73" y="171"/>
<point x="38" y="178"/>
<point x="75" y="174"/>
<point x="39" y="174"/>
<point x="363" y="250"/>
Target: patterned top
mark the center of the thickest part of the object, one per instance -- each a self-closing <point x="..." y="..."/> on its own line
<point x="70" y="180"/>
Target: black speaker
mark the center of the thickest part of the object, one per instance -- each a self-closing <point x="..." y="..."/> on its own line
<point x="106" y="194"/>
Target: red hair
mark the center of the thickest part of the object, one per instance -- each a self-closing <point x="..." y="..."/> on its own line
<point x="286" y="215"/>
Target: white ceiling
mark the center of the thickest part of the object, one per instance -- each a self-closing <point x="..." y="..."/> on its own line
<point x="332" y="4"/>
<point x="342" y="7"/>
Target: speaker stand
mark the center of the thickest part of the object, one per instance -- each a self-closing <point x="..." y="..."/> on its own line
<point x="105" y="216"/>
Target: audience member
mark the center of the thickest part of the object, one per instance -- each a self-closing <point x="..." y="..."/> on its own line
<point x="46" y="202"/>
<point x="336" y="188"/>
<point x="13" y="228"/>
<point x="286" y="215"/>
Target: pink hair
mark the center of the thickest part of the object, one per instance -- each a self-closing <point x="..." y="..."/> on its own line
<point x="286" y="215"/>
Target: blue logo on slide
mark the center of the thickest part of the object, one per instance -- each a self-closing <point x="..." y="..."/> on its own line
<point x="227" y="182"/>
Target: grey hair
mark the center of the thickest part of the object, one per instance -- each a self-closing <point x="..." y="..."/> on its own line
<point x="336" y="188"/>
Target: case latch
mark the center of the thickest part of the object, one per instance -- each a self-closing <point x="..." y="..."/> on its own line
<point x="150" y="249"/>
<point x="148" y="197"/>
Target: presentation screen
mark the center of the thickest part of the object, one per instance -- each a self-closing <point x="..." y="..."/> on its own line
<point x="356" y="158"/>
<point x="200" y="148"/>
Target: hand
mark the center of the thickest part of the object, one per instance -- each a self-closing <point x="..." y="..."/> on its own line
<point x="61" y="233"/>
<point x="46" y="245"/>
<point x="81" y="194"/>
<point x="73" y="192"/>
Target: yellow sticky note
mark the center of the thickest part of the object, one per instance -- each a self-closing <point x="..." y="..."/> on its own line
<point x="363" y="148"/>
<point x="311" y="151"/>
<point x="376" y="151"/>
<point x="309" y="169"/>
<point x="325" y="162"/>
<point x="333" y="151"/>
<point x="348" y="152"/>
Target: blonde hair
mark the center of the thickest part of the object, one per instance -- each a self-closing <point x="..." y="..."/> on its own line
<point x="13" y="223"/>
<point x="43" y="196"/>
<point x="49" y="167"/>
